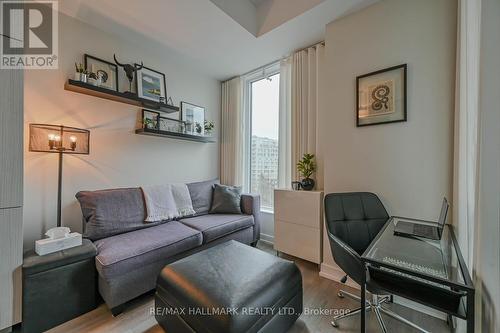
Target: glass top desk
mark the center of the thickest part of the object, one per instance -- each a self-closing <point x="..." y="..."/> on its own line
<point x="431" y="272"/>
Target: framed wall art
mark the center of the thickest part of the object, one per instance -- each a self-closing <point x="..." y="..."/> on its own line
<point x="151" y="85"/>
<point x="150" y="119"/>
<point x="194" y="117"/>
<point x="381" y="96"/>
<point x="105" y="71"/>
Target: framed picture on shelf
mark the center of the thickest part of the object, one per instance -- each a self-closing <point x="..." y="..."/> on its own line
<point x="151" y="85"/>
<point x="194" y="117"/>
<point x="381" y="96"/>
<point x="171" y="125"/>
<point x="150" y="119"/>
<point x="106" y="72"/>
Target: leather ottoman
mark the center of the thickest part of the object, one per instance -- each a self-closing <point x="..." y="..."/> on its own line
<point x="58" y="287"/>
<point x="229" y="288"/>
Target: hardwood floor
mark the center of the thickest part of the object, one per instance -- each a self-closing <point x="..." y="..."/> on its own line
<point x="319" y="294"/>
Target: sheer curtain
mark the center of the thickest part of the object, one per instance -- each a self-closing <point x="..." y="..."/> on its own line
<point x="232" y="131"/>
<point x="300" y="80"/>
<point x="285" y="124"/>
<point x="307" y="66"/>
<point x="466" y="144"/>
<point x="466" y="126"/>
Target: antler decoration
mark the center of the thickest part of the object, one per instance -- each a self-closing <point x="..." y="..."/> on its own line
<point x="139" y="67"/>
<point x="129" y="70"/>
<point x="116" y="61"/>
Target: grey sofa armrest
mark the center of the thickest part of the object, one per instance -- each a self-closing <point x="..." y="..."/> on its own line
<point x="250" y="204"/>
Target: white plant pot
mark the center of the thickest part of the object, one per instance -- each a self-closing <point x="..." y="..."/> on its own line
<point x="81" y="77"/>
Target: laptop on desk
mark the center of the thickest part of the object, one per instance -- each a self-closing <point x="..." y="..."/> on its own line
<point x="407" y="228"/>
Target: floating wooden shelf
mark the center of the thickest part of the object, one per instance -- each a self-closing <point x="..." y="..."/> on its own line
<point x="127" y="98"/>
<point x="175" y="135"/>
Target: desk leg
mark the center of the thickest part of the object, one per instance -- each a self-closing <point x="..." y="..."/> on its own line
<point x="470" y="312"/>
<point x="363" y="301"/>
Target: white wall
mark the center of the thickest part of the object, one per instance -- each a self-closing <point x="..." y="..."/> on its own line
<point x="409" y="165"/>
<point x="267" y="227"/>
<point x="118" y="156"/>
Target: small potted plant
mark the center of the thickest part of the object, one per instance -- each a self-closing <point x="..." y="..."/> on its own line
<point x="149" y="123"/>
<point x="81" y="73"/>
<point x="209" y="127"/>
<point x="306" y="167"/>
<point x="198" y="128"/>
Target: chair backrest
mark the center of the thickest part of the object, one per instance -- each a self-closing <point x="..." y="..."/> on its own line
<point x="352" y="220"/>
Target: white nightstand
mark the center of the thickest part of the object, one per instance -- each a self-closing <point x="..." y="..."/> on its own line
<point x="298" y="223"/>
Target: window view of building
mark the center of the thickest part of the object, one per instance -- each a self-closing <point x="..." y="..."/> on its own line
<point x="264" y="168"/>
<point x="264" y="141"/>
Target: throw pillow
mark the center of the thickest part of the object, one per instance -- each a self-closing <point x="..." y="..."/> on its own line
<point x="226" y="200"/>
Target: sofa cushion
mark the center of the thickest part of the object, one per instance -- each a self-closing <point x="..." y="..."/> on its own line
<point x="201" y="195"/>
<point x="226" y="200"/>
<point x="119" y="254"/>
<point x="214" y="226"/>
<point x="111" y="212"/>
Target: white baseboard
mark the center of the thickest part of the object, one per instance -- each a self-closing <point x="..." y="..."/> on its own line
<point x="267" y="239"/>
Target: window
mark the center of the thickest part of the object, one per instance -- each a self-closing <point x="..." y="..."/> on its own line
<point x="263" y="115"/>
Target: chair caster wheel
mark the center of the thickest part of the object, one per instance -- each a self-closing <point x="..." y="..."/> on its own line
<point x="334" y="324"/>
<point x="340" y="294"/>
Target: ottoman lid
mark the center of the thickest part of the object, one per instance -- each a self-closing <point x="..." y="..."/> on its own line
<point x="33" y="263"/>
<point x="228" y="276"/>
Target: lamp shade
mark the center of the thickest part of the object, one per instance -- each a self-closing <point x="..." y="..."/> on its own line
<point x="59" y="139"/>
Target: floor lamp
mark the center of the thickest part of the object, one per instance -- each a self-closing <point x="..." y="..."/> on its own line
<point x="60" y="140"/>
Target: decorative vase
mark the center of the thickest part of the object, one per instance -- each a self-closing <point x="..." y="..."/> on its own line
<point x="307" y="184"/>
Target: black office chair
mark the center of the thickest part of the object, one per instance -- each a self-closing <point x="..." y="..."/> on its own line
<point x="353" y="220"/>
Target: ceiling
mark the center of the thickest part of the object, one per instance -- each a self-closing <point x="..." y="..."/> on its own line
<point x="221" y="38"/>
<point x="257" y="3"/>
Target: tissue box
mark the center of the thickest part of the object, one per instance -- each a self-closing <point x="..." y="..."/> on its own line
<point x="49" y="245"/>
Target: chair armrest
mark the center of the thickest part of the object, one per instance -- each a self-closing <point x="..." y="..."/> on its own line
<point x="250" y="205"/>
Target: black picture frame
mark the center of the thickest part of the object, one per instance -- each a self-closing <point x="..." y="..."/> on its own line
<point x="404" y="68"/>
<point x="191" y="127"/>
<point x="140" y="95"/>
<point x="86" y="58"/>
<point x="155" y="117"/>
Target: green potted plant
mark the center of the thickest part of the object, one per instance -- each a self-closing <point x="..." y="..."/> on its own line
<point x="81" y="73"/>
<point x="149" y="123"/>
<point x="306" y="167"/>
<point x="198" y="128"/>
<point x="209" y="126"/>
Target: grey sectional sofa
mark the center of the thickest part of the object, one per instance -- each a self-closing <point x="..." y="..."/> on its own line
<point x="131" y="252"/>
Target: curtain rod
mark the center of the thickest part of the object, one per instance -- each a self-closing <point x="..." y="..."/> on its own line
<point x="261" y="67"/>
<point x="275" y="61"/>
<point x="313" y="45"/>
